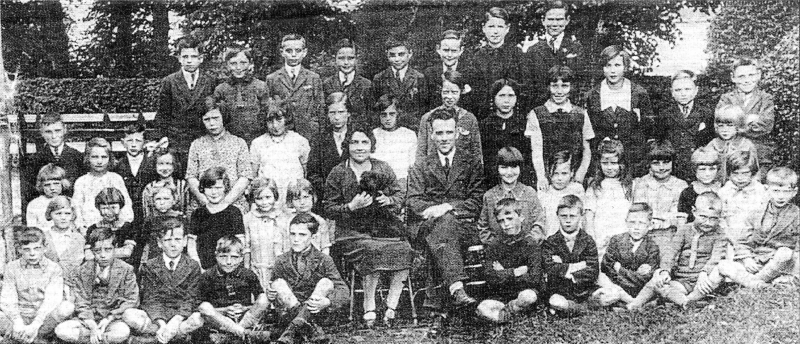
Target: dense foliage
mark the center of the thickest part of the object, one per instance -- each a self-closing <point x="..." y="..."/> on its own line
<point x="35" y="42"/>
<point x="767" y="30"/>
<point x="36" y="96"/>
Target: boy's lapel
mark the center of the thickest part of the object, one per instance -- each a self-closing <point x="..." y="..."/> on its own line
<point x="286" y="81"/>
<point x="199" y="86"/>
<point x="181" y="271"/>
<point x="580" y="244"/>
<point x="114" y="278"/>
<point x="183" y="87"/>
<point x="301" y="78"/>
<point x="435" y="166"/>
<point x="783" y="223"/>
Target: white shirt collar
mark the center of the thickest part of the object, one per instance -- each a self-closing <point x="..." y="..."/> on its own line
<point x="557" y="42"/>
<point x="338" y="138"/>
<point x="346" y="79"/>
<point x="176" y="260"/>
<point x="402" y="72"/>
<point x="454" y="67"/>
<point x="57" y="150"/>
<point x="188" y="77"/>
<point x="292" y="70"/>
<point x="553" y="107"/>
<point x="135" y="162"/>
<point x="449" y="156"/>
<point x="636" y="244"/>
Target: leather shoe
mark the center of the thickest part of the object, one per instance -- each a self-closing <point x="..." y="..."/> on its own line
<point x="461" y="299"/>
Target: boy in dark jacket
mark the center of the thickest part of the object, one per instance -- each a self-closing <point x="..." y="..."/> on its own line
<point x="513" y="266"/>
<point x="305" y="283"/>
<point x="570" y="258"/>
<point x="169" y="288"/>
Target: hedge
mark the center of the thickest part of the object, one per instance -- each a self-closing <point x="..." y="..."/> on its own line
<point x="767" y="30"/>
<point x="41" y="95"/>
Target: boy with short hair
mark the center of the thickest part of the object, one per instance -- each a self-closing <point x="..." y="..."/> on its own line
<point x="449" y="48"/>
<point x="137" y="169"/>
<point x="182" y="99"/>
<point x="32" y="292"/>
<point x="660" y="190"/>
<point x="554" y="48"/>
<point x="305" y="282"/>
<point x="706" y="164"/>
<point x="689" y="263"/>
<point x="729" y="140"/>
<point x="233" y="301"/>
<point x="104" y="288"/>
<point x="169" y="288"/>
<point x="357" y="88"/>
<point x="570" y="259"/>
<point x="299" y="87"/>
<point x="513" y="266"/>
<point x="686" y="123"/>
<point x="768" y="246"/>
<point x="757" y="107"/>
<point x="406" y="84"/>
<point x="630" y="258"/>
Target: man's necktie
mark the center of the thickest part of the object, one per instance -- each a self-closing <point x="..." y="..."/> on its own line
<point x="192" y="82"/>
<point x="552" y="44"/>
<point x="397" y="76"/>
<point x="447" y="166"/>
<point x="171" y="265"/>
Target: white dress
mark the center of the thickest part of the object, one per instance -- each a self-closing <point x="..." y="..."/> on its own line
<point x="397" y="148"/>
<point x="609" y="208"/>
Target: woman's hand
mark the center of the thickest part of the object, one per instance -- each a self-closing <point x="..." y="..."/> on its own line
<point x="361" y="200"/>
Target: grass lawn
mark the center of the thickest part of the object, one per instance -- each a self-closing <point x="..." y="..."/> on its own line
<point x="771" y="315"/>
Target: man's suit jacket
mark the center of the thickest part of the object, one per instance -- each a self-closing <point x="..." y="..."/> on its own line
<point x="758" y="240"/>
<point x="429" y="184"/>
<point x="359" y="96"/>
<point x="71" y="160"/>
<point x="321" y="160"/>
<point x="166" y="293"/>
<point x="411" y="93"/>
<point x="318" y="266"/>
<point x="685" y="133"/>
<point x="620" y="251"/>
<point x="584" y="250"/>
<point x="123" y="292"/>
<point x="304" y="99"/>
<point x="570" y="54"/>
<point x="180" y="109"/>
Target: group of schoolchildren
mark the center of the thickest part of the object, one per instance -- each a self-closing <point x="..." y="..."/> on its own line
<point x="212" y="227"/>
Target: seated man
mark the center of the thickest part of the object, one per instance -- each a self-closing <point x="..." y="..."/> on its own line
<point x="305" y="282"/>
<point x="445" y="189"/>
<point x="104" y="288"/>
<point x="169" y="288"/>
<point x="570" y="258"/>
<point x="688" y="266"/>
<point x="228" y="291"/>
<point x="769" y="246"/>
<point x="513" y="266"/>
<point x="630" y="259"/>
<point x="32" y="292"/>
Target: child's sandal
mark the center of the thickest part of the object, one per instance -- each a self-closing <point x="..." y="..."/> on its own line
<point x="369" y="318"/>
<point x="388" y="317"/>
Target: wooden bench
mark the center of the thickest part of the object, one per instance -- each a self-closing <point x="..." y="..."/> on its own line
<point x="84" y="126"/>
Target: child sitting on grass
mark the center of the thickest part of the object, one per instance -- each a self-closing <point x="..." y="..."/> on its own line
<point x="688" y="265"/>
<point x="570" y="258"/>
<point x="768" y="246"/>
<point x="630" y="259"/>
<point x="514" y="266"/>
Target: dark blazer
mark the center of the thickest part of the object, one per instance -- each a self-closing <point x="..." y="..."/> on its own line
<point x="359" y="95"/>
<point x="318" y="266"/>
<point x="585" y="250"/>
<point x="511" y="253"/>
<point x="322" y="159"/>
<point x="165" y="293"/>
<point x="619" y="250"/>
<point x="303" y="96"/>
<point x="135" y="184"/>
<point x="487" y="65"/>
<point x="685" y="133"/>
<point x="429" y="184"/>
<point x="180" y="109"/>
<point x="570" y="54"/>
<point x="411" y="93"/>
<point x="71" y="160"/>
<point x="123" y="292"/>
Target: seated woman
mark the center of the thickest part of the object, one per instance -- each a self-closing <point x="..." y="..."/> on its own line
<point x="361" y="194"/>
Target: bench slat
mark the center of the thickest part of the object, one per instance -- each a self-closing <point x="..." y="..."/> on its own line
<point x="91" y="117"/>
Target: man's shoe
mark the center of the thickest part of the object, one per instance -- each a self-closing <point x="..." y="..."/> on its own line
<point x="461" y="299"/>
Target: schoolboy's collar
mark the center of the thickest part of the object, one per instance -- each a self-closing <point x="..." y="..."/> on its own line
<point x="553" y="107"/>
<point x="272" y="214"/>
<point x="557" y="41"/>
<point x="569" y="237"/>
<point x="235" y="273"/>
<point x="292" y="70"/>
<point x="401" y="72"/>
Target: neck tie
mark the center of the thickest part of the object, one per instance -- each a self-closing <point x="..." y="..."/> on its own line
<point x="447" y="165"/>
<point x="397" y="76"/>
<point x="685" y="109"/>
<point x="171" y="265"/>
<point x="301" y="264"/>
<point x="191" y="83"/>
<point x="56" y="154"/>
<point x="552" y="43"/>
